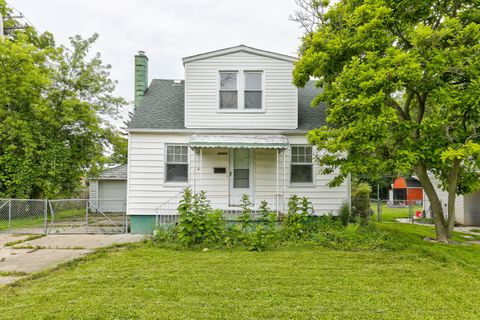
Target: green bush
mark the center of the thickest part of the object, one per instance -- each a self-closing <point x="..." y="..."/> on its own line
<point x="361" y="202"/>
<point x="198" y="223"/>
<point x="265" y="233"/>
<point x="164" y="234"/>
<point x="294" y="223"/>
<point x="345" y="214"/>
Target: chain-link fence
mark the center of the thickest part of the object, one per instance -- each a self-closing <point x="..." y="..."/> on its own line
<point x="404" y="210"/>
<point x="27" y="216"/>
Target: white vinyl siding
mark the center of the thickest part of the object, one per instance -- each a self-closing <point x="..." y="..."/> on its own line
<point x="147" y="188"/>
<point x="279" y="95"/>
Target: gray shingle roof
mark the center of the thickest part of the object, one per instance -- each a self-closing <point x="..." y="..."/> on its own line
<point x="163" y="107"/>
<point x="310" y="117"/>
<point x="116" y="173"/>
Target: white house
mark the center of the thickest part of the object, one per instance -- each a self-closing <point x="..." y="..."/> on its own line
<point x="467" y="207"/>
<point x="236" y="125"/>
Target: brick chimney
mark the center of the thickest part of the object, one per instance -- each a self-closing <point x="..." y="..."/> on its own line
<point x="141" y="77"/>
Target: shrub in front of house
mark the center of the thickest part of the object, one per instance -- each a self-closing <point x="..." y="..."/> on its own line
<point x="201" y="226"/>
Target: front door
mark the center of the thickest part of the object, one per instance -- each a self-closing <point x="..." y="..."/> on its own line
<point x="241" y="174"/>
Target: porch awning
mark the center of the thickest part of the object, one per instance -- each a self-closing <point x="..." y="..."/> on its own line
<point x="239" y="141"/>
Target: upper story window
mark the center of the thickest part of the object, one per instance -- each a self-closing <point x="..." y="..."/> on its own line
<point x="228" y="90"/>
<point x="241" y="90"/>
<point x="301" y="170"/>
<point x="253" y="90"/>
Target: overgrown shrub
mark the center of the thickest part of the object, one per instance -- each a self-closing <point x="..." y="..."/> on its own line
<point x="361" y="202"/>
<point x="294" y="223"/>
<point x="164" y="234"/>
<point x="265" y="233"/>
<point x="198" y="223"/>
<point x="345" y="214"/>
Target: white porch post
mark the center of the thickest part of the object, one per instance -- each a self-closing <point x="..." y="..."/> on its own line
<point x="284" y="180"/>
<point x="276" y="194"/>
<point x="201" y="168"/>
<point x="194" y="171"/>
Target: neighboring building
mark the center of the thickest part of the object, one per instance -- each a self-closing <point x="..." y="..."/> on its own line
<point x="407" y="190"/>
<point x="467" y="207"/>
<point x="109" y="190"/>
<point x="235" y="126"/>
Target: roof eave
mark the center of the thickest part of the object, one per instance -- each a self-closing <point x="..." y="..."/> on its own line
<point x="240" y="48"/>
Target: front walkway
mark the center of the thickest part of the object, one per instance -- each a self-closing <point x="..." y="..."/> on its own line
<point x="20" y="257"/>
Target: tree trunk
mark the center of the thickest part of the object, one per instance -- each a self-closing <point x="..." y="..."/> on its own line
<point x="441" y="230"/>
<point x="452" y="194"/>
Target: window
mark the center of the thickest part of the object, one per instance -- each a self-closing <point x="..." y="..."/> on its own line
<point x="177" y="163"/>
<point x="241" y="91"/>
<point x="228" y="90"/>
<point x="301" y="170"/>
<point x="253" y="90"/>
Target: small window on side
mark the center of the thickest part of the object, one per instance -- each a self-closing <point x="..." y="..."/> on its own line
<point x="301" y="167"/>
<point x="177" y="163"/>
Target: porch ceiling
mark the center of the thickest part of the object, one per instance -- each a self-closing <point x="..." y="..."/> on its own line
<point x="239" y="141"/>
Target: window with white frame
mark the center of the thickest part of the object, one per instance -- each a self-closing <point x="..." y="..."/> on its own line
<point x="301" y="165"/>
<point x="177" y="163"/>
<point x="228" y="90"/>
<point x="241" y="90"/>
<point x="253" y="90"/>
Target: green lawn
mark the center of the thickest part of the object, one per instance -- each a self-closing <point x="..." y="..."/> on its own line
<point x="390" y="214"/>
<point x="413" y="280"/>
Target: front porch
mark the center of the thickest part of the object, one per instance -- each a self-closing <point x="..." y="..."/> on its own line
<point x="228" y="167"/>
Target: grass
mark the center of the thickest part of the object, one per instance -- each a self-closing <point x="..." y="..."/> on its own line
<point x="28" y="238"/>
<point x="414" y="279"/>
<point x="390" y="214"/>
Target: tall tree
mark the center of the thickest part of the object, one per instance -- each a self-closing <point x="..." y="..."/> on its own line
<point x="56" y="107"/>
<point x="402" y="83"/>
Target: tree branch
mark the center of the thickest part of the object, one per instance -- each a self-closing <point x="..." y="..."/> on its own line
<point x="401" y="113"/>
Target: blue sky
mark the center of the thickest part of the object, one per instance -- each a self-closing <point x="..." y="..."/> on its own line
<point x="166" y="30"/>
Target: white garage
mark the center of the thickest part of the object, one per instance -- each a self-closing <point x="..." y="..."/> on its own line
<point x="108" y="191"/>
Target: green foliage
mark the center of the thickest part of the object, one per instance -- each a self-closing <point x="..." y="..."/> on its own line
<point x="402" y="89"/>
<point x="246" y="215"/>
<point x="294" y="223"/>
<point x="345" y="215"/>
<point x="55" y="106"/>
<point x="361" y="201"/>
<point x="198" y="223"/>
<point x="200" y="226"/>
<point x="164" y="234"/>
<point x="266" y="232"/>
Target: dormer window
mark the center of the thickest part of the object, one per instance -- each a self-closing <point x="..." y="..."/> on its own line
<point x="241" y="90"/>
<point x="228" y="90"/>
<point x="253" y="90"/>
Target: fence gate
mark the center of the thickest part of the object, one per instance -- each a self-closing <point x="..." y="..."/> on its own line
<point x="65" y="216"/>
<point x="87" y="216"/>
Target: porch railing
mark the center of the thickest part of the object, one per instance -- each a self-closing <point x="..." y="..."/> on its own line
<point x="167" y="212"/>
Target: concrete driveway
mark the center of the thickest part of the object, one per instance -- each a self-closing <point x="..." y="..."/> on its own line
<point x="30" y="256"/>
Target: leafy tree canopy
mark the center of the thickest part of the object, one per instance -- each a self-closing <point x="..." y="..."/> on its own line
<point x="402" y="83"/>
<point x="56" y="107"/>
